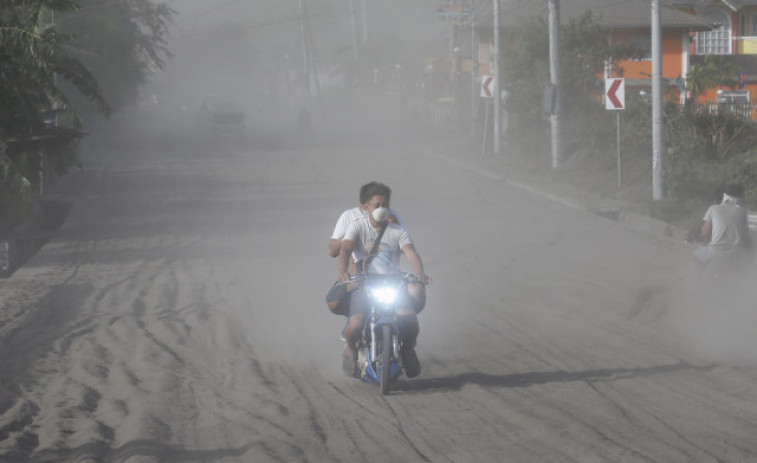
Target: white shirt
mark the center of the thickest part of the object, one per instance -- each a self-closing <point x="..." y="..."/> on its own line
<point x="729" y="223"/>
<point x="387" y="259"/>
<point x="351" y="215"/>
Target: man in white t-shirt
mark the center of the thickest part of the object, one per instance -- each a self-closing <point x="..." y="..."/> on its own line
<point x="359" y="239"/>
<point x="725" y="228"/>
<point x="353" y="214"/>
<point x="336" y="299"/>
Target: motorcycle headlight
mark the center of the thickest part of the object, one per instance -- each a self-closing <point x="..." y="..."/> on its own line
<point x="384" y="294"/>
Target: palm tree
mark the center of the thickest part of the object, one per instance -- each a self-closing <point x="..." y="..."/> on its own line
<point x="712" y="73"/>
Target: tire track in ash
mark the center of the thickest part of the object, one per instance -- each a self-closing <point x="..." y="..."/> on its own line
<point x="403" y="434"/>
<point x="233" y="405"/>
<point x="733" y="438"/>
<point x="364" y="421"/>
<point x="660" y="437"/>
<point x="84" y="378"/>
<point x="53" y="301"/>
<point x="81" y="330"/>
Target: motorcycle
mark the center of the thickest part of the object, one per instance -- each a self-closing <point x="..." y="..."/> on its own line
<point x="729" y="266"/>
<point x="379" y="359"/>
<point x="724" y="276"/>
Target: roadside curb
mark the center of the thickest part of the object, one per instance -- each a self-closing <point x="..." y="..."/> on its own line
<point x="567" y="196"/>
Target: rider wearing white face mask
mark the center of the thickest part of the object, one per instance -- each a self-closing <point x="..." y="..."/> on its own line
<point x="356" y="213"/>
<point x="394" y="241"/>
<point x="336" y="299"/>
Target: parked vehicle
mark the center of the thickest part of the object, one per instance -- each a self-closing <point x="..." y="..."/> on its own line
<point x="222" y="117"/>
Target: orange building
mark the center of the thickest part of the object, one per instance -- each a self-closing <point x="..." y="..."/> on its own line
<point x="627" y="22"/>
<point x="734" y="41"/>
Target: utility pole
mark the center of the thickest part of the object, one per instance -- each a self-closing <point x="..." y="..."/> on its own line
<point x="474" y="66"/>
<point x="305" y="54"/>
<point x="658" y="132"/>
<point x="452" y="37"/>
<point x="309" y="69"/>
<point x="555" y="73"/>
<point x="364" y="6"/>
<point x="353" y="22"/>
<point x="313" y="66"/>
<point x="497" y="99"/>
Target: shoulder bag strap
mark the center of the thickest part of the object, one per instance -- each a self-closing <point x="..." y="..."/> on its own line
<point x="375" y="247"/>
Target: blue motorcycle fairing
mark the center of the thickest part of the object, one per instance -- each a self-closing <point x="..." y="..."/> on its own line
<point x="372" y="376"/>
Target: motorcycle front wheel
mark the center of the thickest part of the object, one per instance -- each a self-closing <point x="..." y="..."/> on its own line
<point x="385" y="366"/>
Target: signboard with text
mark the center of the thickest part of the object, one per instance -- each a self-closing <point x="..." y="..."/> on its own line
<point x="456" y="12"/>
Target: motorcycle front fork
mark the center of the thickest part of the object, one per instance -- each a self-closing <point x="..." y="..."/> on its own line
<point x="369" y="351"/>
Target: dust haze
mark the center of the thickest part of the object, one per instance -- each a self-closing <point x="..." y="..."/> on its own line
<point x="714" y="317"/>
<point x="179" y="313"/>
<point x="256" y="57"/>
<point x="274" y="61"/>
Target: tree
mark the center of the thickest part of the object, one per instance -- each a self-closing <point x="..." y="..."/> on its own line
<point x="32" y="61"/>
<point x="52" y="55"/>
<point x="121" y="43"/>
<point x="525" y="68"/>
<point x="714" y="72"/>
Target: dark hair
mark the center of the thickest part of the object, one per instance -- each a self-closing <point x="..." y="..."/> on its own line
<point x="363" y="190"/>
<point x="735" y="190"/>
<point x="371" y="189"/>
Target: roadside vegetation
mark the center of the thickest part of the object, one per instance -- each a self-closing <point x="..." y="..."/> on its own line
<point x="62" y="63"/>
<point x="704" y="150"/>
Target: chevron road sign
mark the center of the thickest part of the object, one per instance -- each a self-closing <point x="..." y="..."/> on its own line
<point x="615" y="94"/>
<point x="487" y="86"/>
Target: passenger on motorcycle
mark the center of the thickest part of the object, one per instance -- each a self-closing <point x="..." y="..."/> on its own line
<point x="724" y="230"/>
<point x="360" y="238"/>
<point x="336" y="299"/>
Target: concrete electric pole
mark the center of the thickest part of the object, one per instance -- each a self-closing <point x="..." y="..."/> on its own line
<point x="364" y="6"/>
<point x="555" y="73"/>
<point x="474" y="67"/>
<point x="496" y="100"/>
<point x="658" y="123"/>
<point x="305" y="54"/>
<point x="353" y="21"/>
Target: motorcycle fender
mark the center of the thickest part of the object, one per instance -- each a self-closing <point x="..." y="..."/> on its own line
<point x="382" y="322"/>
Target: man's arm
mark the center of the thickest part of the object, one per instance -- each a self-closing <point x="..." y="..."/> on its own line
<point x="706" y="231"/>
<point x="344" y="260"/>
<point x="335" y="244"/>
<point x="414" y="259"/>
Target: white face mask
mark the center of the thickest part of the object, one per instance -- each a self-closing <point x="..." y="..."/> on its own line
<point x="380" y="214"/>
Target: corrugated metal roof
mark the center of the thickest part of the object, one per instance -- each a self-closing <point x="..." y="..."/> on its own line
<point x="623" y="14"/>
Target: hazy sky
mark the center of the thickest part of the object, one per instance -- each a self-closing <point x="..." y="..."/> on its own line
<point x="411" y="21"/>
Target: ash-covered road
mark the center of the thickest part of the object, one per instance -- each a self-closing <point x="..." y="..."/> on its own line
<point x="179" y="316"/>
